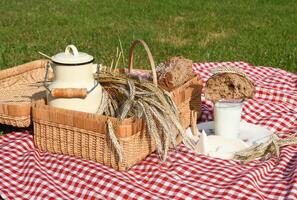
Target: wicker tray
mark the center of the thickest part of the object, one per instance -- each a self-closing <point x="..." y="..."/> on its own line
<point x="85" y="135"/>
<point x="18" y="85"/>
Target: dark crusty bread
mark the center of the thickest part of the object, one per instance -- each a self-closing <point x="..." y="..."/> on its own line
<point x="228" y="86"/>
<point x="174" y="72"/>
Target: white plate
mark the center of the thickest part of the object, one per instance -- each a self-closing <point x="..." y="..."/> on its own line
<point x="221" y="147"/>
<point x="249" y="133"/>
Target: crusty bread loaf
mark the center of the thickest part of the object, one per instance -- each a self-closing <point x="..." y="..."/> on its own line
<point x="174" y="72"/>
<point x="229" y="86"/>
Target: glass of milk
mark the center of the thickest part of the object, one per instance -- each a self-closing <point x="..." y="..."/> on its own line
<point x="227" y="115"/>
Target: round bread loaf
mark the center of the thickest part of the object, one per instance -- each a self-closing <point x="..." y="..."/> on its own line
<point x="174" y="72"/>
<point x="229" y="86"/>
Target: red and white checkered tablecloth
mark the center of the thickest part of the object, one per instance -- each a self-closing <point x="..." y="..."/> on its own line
<point x="27" y="173"/>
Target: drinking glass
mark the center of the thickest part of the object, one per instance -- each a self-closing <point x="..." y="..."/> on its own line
<point x="227" y="115"/>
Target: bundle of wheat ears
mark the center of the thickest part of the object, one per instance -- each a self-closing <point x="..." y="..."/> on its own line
<point x="124" y="96"/>
<point x="266" y="150"/>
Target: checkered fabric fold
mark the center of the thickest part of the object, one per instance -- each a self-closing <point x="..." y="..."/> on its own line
<point x="27" y="173"/>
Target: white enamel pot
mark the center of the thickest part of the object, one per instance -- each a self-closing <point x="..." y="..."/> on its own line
<point x="73" y="86"/>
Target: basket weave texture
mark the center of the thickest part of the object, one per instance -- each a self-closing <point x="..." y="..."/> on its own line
<point x="85" y="135"/>
<point x="18" y="84"/>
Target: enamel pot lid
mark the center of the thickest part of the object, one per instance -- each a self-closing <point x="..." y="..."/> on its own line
<point x="72" y="56"/>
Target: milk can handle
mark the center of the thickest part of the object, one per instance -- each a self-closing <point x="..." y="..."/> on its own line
<point x="67" y="92"/>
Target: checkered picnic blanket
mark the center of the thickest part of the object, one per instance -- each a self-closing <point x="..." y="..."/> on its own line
<point x="27" y="173"/>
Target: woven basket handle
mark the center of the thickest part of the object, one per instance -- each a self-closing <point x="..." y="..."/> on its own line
<point x="150" y="58"/>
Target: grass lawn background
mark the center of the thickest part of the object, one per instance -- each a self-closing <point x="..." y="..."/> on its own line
<point x="261" y="32"/>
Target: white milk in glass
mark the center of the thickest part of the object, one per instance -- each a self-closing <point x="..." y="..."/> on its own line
<point x="227" y="118"/>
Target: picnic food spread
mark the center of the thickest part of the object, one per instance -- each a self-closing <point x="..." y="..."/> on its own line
<point x="183" y="175"/>
<point x="161" y="106"/>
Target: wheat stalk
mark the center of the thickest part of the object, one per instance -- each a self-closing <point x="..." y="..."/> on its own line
<point x="114" y="140"/>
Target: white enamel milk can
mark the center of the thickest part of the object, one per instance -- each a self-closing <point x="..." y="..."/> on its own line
<point x="74" y="86"/>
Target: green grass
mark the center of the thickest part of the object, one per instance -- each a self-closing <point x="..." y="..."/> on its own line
<point x="261" y="32"/>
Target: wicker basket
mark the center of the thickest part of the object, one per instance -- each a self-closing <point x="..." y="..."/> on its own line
<point x="18" y="85"/>
<point x="85" y="135"/>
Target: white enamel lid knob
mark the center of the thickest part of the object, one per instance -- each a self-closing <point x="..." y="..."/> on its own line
<point x="72" y="56"/>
